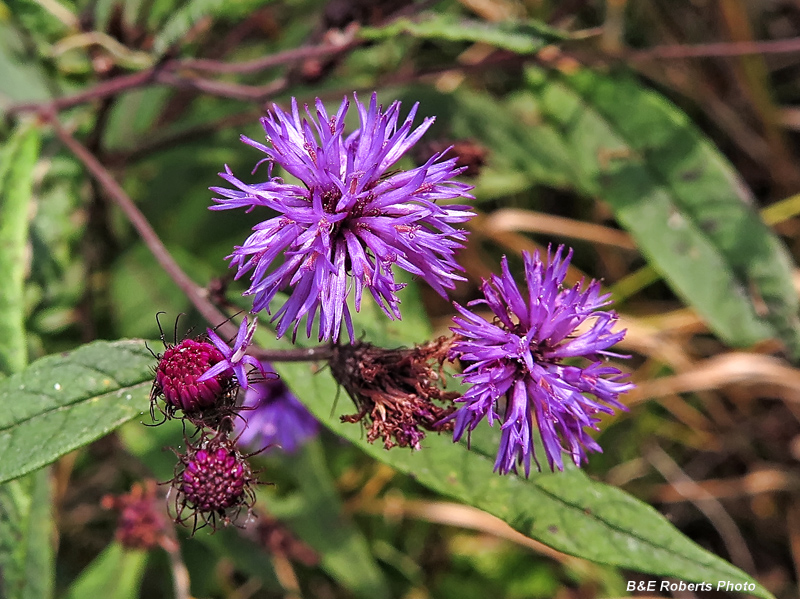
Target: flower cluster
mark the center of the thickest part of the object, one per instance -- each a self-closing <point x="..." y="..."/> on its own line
<point x="342" y="220"/>
<point x="519" y="365"/>
<point x="348" y="220"/>
<point x="336" y="226"/>
<point x="200" y="379"/>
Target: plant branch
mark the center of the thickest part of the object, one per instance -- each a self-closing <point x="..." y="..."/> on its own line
<point x="168" y="73"/>
<point x="300" y="354"/>
<point x="236" y="91"/>
<point x="274" y="60"/>
<point x="196" y="294"/>
<point x="110" y="87"/>
<point x="789" y="45"/>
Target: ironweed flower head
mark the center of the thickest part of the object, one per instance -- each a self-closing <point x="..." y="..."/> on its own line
<point x="398" y="391"/>
<point x="179" y="380"/>
<point x="348" y="219"/>
<point x="234" y="358"/>
<point x="519" y="365"/>
<point x="273" y="416"/>
<point x="212" y="483"/>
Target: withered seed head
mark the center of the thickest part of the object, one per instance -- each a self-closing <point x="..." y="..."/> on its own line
<point x="395" y="389"/>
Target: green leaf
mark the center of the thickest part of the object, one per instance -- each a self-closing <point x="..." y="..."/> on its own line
<point x="17" y="160"/>
<point x="690" y="213"/>
<point x="184" y="18"/>
<point x="521" y="37"/>
<point x="63" y="402"/>
<point x="134" y="117"/>
<point x="26" y="538"/>
<point x="114" y="574"/>
<point x="26" y="521"/>
<point x="566" y="510"/>
<point x="21" y="80"/>
<point x="519" y="156"/>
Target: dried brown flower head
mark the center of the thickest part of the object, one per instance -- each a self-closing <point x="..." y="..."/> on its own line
<point x="395" y="389"/>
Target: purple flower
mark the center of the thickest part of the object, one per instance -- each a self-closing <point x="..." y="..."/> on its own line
<point x="235" y="357"/>
<point x="348" y="219"/>
<point x="274" y="416"/>
<point x="520" y="363"/>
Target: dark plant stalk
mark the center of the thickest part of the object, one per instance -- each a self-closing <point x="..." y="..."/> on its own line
<point x="300" y="354"/>
<point x="196" y="294"/>
<point x="174" y="72"/>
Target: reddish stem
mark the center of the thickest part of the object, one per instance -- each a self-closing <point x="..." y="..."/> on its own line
<point x="196" y="294"/>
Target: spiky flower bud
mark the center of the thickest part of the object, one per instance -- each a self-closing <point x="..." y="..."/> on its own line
<point x="177" y="374"/>
<point x="212" y="482"/>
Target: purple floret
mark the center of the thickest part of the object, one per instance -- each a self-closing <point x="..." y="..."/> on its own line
<point x="235" y="358"/>
<point x="273" y="416"/>
<point x="517" y="369"/>
<point x="348" y="219"/>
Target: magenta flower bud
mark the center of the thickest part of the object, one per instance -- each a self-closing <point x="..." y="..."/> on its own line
<point x="177" y="374"/>
<point x="213" y="483"/>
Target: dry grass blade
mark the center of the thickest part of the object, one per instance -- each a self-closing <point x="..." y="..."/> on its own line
<point x="723" y="370"/>
<point x="513" y="219"/>
<point x="515" y="242"/>
<point x="654" y="342"/>
<point x="754" y="483"/>
<point x="710" y="507"/>
<point x="461" y="516"/>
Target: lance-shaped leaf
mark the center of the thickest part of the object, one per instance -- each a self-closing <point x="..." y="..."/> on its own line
<point x="565" y="510"/>
<point x="65" y="401"/>
<point x="114" y="574"/>
<point x="521" y="37"/>
<point x="26" y="520"/>
<point x="689" y="211"/>
<point x="17" y="159"/>
<point x="26" y="533"/>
